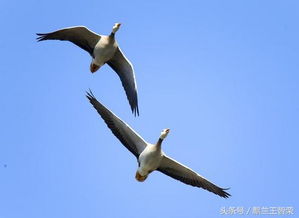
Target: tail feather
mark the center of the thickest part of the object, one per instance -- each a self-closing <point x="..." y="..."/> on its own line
<point x="140" y="178"/>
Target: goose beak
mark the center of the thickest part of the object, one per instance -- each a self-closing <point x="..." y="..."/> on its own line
<point x="167" y="130"/>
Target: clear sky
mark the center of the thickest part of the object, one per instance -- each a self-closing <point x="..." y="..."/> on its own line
<point x="222" y="75"/>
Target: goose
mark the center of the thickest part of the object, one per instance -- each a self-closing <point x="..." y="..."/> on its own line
<point x="150" y="157"/>
<point x="103" y="49"/>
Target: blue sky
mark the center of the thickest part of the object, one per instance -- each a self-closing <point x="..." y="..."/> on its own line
<point x="222" y="75"/>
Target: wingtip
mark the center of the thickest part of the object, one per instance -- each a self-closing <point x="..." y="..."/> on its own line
<point x="135" y="111"/>
<point x="134" y="106"/>
<point x="90" y="95"/>
<point x="40" y="37"/>
<point x="225" y="194"/>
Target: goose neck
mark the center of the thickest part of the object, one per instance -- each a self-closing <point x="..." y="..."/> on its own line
<point x="112" y="35"/>
<point x="159" y="143"/>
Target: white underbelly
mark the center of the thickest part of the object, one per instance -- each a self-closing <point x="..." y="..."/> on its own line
<point x="148" y="162"/>
<point x="103" y="52"/>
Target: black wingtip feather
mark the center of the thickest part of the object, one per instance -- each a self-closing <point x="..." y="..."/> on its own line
<point x="135" y="111"/>
<point x="223" y="193"/>
<point x="90" y="95"/>
<point x="134" y="108"/>
<point x="41" y="37"/>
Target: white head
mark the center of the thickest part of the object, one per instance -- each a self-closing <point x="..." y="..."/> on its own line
<point x="164" y="133"/>
<point x="116" y="27"/>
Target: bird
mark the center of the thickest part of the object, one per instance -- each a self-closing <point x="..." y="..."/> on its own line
<point x="103" y="49"/>
<point x="150" y="157"/>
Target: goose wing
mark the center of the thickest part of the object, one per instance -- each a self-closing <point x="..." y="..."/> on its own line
<point x="123" y="67"/>
<point x="186" y="175"/>
<point x="79" y="35"/>
<point x="128" y="137"/>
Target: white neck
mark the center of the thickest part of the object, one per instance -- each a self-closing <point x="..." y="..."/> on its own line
<point x="163" y="136"/>
<point x="114" y="29"/>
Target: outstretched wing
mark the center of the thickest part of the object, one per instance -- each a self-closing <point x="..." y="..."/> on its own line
<point x="126" y="135"/>
<point x="123" y="67"/>
<point x="79" y="35"/>
<point x="186" y="175"/>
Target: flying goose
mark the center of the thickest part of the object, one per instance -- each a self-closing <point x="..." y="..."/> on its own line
<point x="103" y="49"/>
<point x="150" y="157"/>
